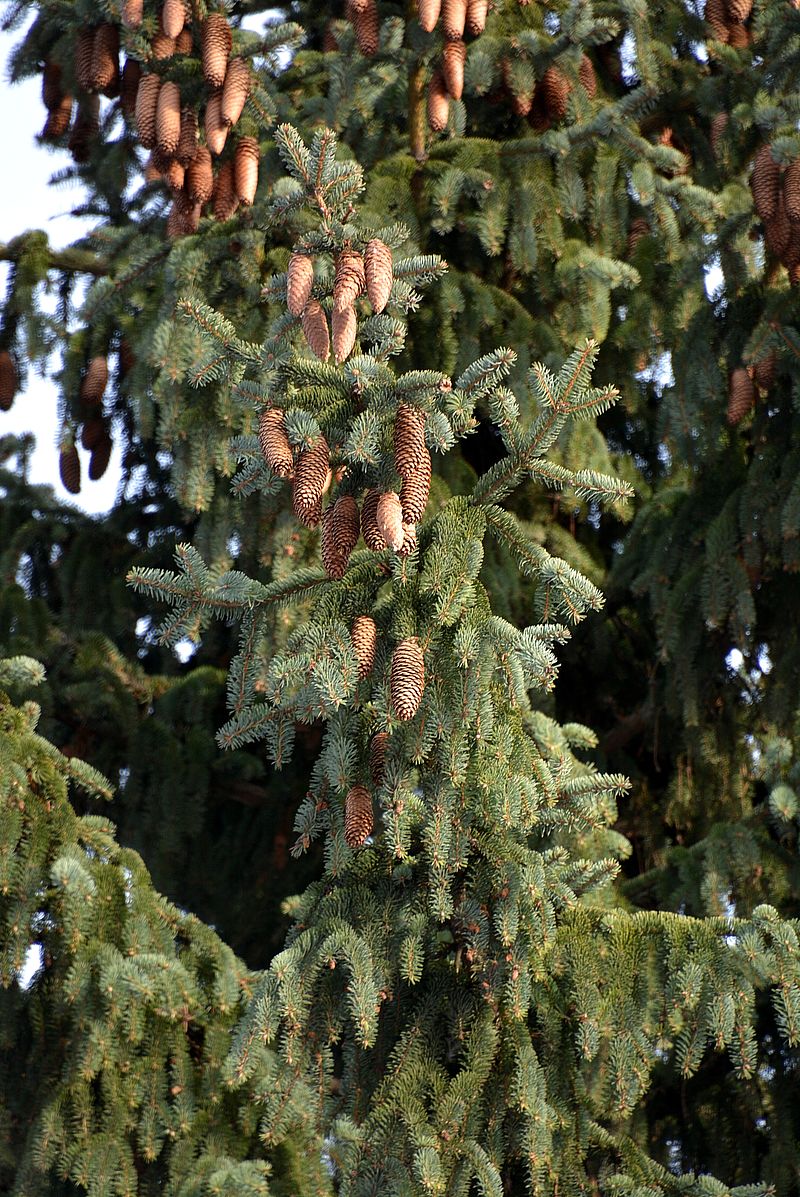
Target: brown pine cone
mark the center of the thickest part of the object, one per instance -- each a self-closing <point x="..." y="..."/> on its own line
<point x="739" y="36"/>
<point x="187" y="140"/>
<point x="366" y="26"/>
<point x="84" y="131"/>
<point x="791" y="190"/>
<point x="163" y="47"/>
<point x="373" y="537"/>
<point x="344" y="326"/>
<point x="389" y="518"/>
<point x="245" y="169"/>
<point x="556" y="89"/>
<point x="146" y="106"/>
<point x="764" y="371"/>
<point x="315" y="329"/>
<point x="274" y="442"/>
<point x="58" y="121"/>
<point x="739" y="10"/>
<point x="224" y="201"/>
<point x="765" y="183"/>
<point x="84" y="58"/>
<point x="132" y="12"/>
<point x="476" y="16"/>
<point x="791" y="254"/>
<point x="794" y="275"/>
<point x="428" y="13"/>
<point x="52" y="91"/>
<point x="184" y="43"/>
<point x="438" y="103"/>
<point x="415" y="490"/>
<point x="349" y="279"/>
<point x="200" y="176"/>
<point x="309" y="517"/>
<point x="587" y="76"/>
<point x="168" y="117"/>
<point x="409" y="439"/>
<point x="175" y="175"/>
<point x="8" y="380"/>
<point x="129" y="86"/>
<point x="311" y="475"/>
<point x="215" y="127"/>
<point x="409" y="540"/>
<point x="358" y="822"/>
<point x="216" y="45"/>
<point x="299" y="281"/>
<point x="236" y="89"/>
<point x="716" y="18"/>
<point x="100" y="457"/>
<point x="340" y="530"/>
<point x="407" y="678"/>
<point x="105" y="59"/>
<point x="378" y="273"/>
<point x="719" y="124"/>
<point x="778" y="230"/>
<point x="364" y="634"/>
<point x="377" y="757"/>
<point x="454" y="56"/>
<point x="179" y="218"/>
<point x="69" y="468"/>
<point x="454" y="18"/>
<point x="152" y="170"/>
<point x="332" y="561"/>
<point x="173" y="17"/>
<point x="741" y="395"/>
<point x="92" y="432"/>
<point x="94" y="381"/>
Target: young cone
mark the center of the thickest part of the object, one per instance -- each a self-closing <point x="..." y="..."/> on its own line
<point x="344" y="325"/>
<point x="377" y="757"/>
<point x="315" y="329"/>
<point x="477" y="11"/>
<point x="454" y="56"/>
<point x="428" y="13"/>
<point x="132" y="12"/>
<point x="236" y="89"/>
<point x="409" y="439"/>
<point x="454" y="18"/>
<point x="389" y="518"/>
<point x="200" y="176"/>
<point x="224" y="201"/>
<point x="373" y="537"/>
<point x="357" y="816"/>
<point x="378" y="273"/>
<point x="438" y="103"/>
<point x="245" y="169"/>
<point x="349" y="279"/>
<point x="299" y="281"/>
<point x="364" y="634"/>
<point x="69" y="468"/>
<point x="791" y="190"/>
<point x="146" y="105"/>
<point x="105" y="59"/>
<point x="416" y="488"/>
<point x="129" y="88"/>
<point x="168" y="117"/>
<point x="311" y="475"/>
<point x="274" y="442"/>
<point x="366" y="26"/>
<point x="215" y="127"/>
<point x="765" y="183"/>
<point x="407" y="679"/>
<point x="215" y="47"/>
<point x="173" y="17"/>
<point x="741" y="395"/>
<point x="187" y="140"/>
<point x="95" y="381"/>
<point x="8" y="380"/>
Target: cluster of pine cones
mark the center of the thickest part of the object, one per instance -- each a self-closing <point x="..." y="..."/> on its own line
<point x="726" y="19"/>
<point x="447" y="83"/>
<point x="95" y="427"/>
<point x="776" y="195"/>
<point x="743" y="383"/>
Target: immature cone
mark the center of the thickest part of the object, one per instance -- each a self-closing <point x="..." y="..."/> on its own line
<point x="69" y="468"/>
<point x="224" y="202"/>
<point x="364" y="634"/>
<point x="245" y="169"/>
<point x="274" y="441"/>
<point x="299" y="281"/>
<point x="454" y="18"/>
<point x="200" y="177"/>
<point x="215" y="127"/>
<point x="95" y="381"/>
<point x="587" y="76"/>
<point x="311" y="475"/>
<point x="146" y="106"/>
<point x="765" y="183"/>
<point x="100" y="457"/>
<point x="58" y="120"/>
<point x="236" y="89"/>
<point x="84" y="58"/>
<point x="52" y="91"/>
<point x="389" y="518"/>
<point x="315" y="329"/>
<point x="132" y="12"/>
<point x="349" y="280"/>
<point x="216" y="44"/>
<point x="340" y="529"/>
<point x="719" y="124"/>
<point x="739" y="10"/>
<point x="173" y="17"/>
<point x="344" y="325"/>
<point x="373" y="537"/>
<point x="428" y="13"/>
<point x="105" y="59"/>
<point x="8" y="380"/>
<point x="716" y="18"/>
<point x="187" y="139"/>
<point x="357" y="816"/>
<point x="764" y="371"/>
<point x="378" y="273"/>
<point x="454" y="56"/>
<point x="438" y="103"/>
<point x="129" y="87"/>
<point x="377" y="757"/>
<point x="741" y="395"/>
<point x="407" y="678"/>
<point x="476" y="16"/>
<point x="415" y="489"/>
<point x="168" y="118"/>
<point x="791" y="190"/>
<point x="556" y="88"/>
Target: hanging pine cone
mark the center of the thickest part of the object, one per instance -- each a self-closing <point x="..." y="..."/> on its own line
<point x="409" y="540"/>
<point x="765" y="183"/>
<point x="739" y="35"/>
<point x="309" y="517"/>
<point x="454" y="18"/>
<point x="162" y="46"/>
<point x="378" y="273"/>
<point x="58" y="121"/>
<point x="373" y="538"/>
<point x="8" y="380"/>
<point x="364" y="634"/>
<point x="52" y="90"/>
<point x="454" y="56"/>
<point x="105" y="59"/>
<point x="556" y="89"/>
<point x="183" y="42"/>
<point x="389" y="519"/>
<point x="407" y="678"/>
<point x="200" y="176"/>
<point x="340" y="529"/>
<point x="236" y="89"/>
<point x="476" y="16"/>
<point x="245" y="169"/>
<point x="69" y="468"/>
<point x="791" y="190"/>
<point x="100" y="457"/>
<point x="739" y="10"/>
<point x="791" y="254"/>
<point x="84" y="131"/>
<point x="84" y="58"/>
<point x="377" y="757"/>
<point x="215" y="127"/>
<point x="409" y="439"/>
<point x="129" y="86"/>
<point x="315" y="329"/>
<point x="216" y="45"/>
<point x="299" y="281"/>
<point x="438" y="103"/>
<point x="132" y="12"/>
<point x="173" y="17"/>
<point x="344" y="326"/>
<point x="741" y="395"/>
<point x="223" y="201"/>
<point x="274" y="442"/>
<point x="349" y="279"/>
<point x="175" y="175"/>
<point x="178" y="219"/>
<point x="187" y="139"/>
<point x="357" y="816"/>
<point x="311" y="475"/>
<point x="146" y="106"/>
<point x="778" y="230"/>
<point x="168" y="117"/>
<point x="366" y="27"/>
<point x="764" y="371"/>
<point x="415" y="489"/>
<point x="94" y="381"/>
<point x="428" y="13"/>
<point x="719" y="124"/>
<point x="716" y="18"/>
<point x="587" y="76"/>
<point x="92" y="432"/>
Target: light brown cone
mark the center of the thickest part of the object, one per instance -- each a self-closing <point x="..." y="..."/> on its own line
<point x="299" y="281"/>
<point x="52" y="91"/>
<point x="778" y="230"/>
<point x="373" y="537"/>
<point x="357" y="816"/>
<point x="163" y="47"/>
<point x="476" y="16"/>
<point x="132" y="12"/>
<point x="764" y="371"/>
<point x="791" y="190"/>
<point x="182" y="219"/>
<point x="129" y="86"/>
<point x="366" y="26"/>
<point x="69" y="468"/>
<point x="200" y="176"/>
<point x="216" y="44"/>
<point x="152" y="172"/>
<point x="377" y="757"/>
<point x="454" y="18"/>
<point x="92" y="432"/>
<point x="183" y="42"/>
<point x="175" y="175"/>
<point x="146" y="105"/>
<point x="718" y="126"/>
<point x="407" y="678"/>
<point x="8" y="380"/>
<point x="100" y="457"/>
<point x="58" y="120"/>
<point x="438" y="103"/>
<point x="378" y="273"/>
<point x="310" y="475"/>
<point x="428" y="13"/>
<point x="215" y="128"/>
<point x="315" y="330"/>
<point x="349" y="279"/>
<point x="274" y="442"/>
<point x="236" y="89"/>
<point x="344" y="325"/>
<point x="389" y="518"/>
<point x="741" y="395"/>
<point x="587" y="76"/>
<point x="173" y="17"/>
<point x="364" y="634"/>
<point x="224" y="201"/>
<point x="84" y="58"/>
<point x="245" y="169"/>
<point x="409" y="439"/>
<point x="556" y="88"/>
<point x="94" y="381"/>
<point x="739" y="10"/>
<point x="187" y="139"/>
<point x="415" y="490"/>
<point x="340" y="529"/>
<point x="454" y="56"/>
<point x="765" y="183"/>
<point x="716" y="18"/>
<point x="168" y="117"/>
<point x="409" y="540"/>
<point x="105" y="59"/>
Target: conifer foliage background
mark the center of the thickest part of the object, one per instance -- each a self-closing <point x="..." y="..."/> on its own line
<point x="453" y="350"/>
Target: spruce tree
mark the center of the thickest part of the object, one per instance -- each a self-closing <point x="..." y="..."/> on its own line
<point x="493" y="976"/>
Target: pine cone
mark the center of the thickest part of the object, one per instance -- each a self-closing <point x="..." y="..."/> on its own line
<point x="58" y="121"/>
<point x="168" y="118"/>
<point x="236" y="89"/>
<point x="409" y="439"/>
<point x="315" y="329"/>
<point x="69" y="468"/>
<point x="94" y="381"/>
<point x="311" y="475"/>
<point x="364" y="634"/>
<point x="454" y="56"/>
<point x="555" y="89"/>
<point x="476" y="16"/>
<point x="778" y="230"/>
<point x="100" y="457"/>
<point x="357" y="816"/>
<point x="718" y="126"/>
<point x="791" y="254"/>
<point x="245" y="169"/>
<point x="366" y="27"/>
<point x="378" y="273"/>
<point x="377" y="757"/>
<point x="415" y="490"/>
<point x="200" y="177"/>
<point x="52" y="91"/>
<point x="741" y="395"/>
<point x="389" y="518"/>
<point x="344" y="326"/>
<point x="349" y="279"/>
<point x="83" y="132"/>
<point x="373" y="538"/>
<point x="299" y="281"/>
<point x="739" y="35"/>
<point x="438" y="103"/>
<point x="92" y="432"/>
<point x="428" y="13"/>
<point x="340" y="529"/>
<point x="173" y="17"/>
<point x="454" y="18"/>
<point x="132" y="12"/>
<point x="765" y="183"/>
<point x="8" y="380"/>
<point x="764" y="371"/>
<point x="274" y="442"/>
<point x="105" y="59"/>
<point x="175" y="175"/>
<point x="215" y="127"/>
<point x="180" y="218"/>
<point x="187" y="140"/>
<point x="409" y="540"/>
<point x="717" y="19"/>
<point x="129" y="87"/>
<point x="739" y="10"/>
<point x="791" y="190"/>
<point x="162" y="47"/>
<point x="146" y="106"/>
<point x="184" y="43"/>
<point x="407" y="678"/>
<point x="84" y="58"/>
<point x="224" y="201"/>
<point x="587" y="76"/>
<point x="216" y="45"/>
